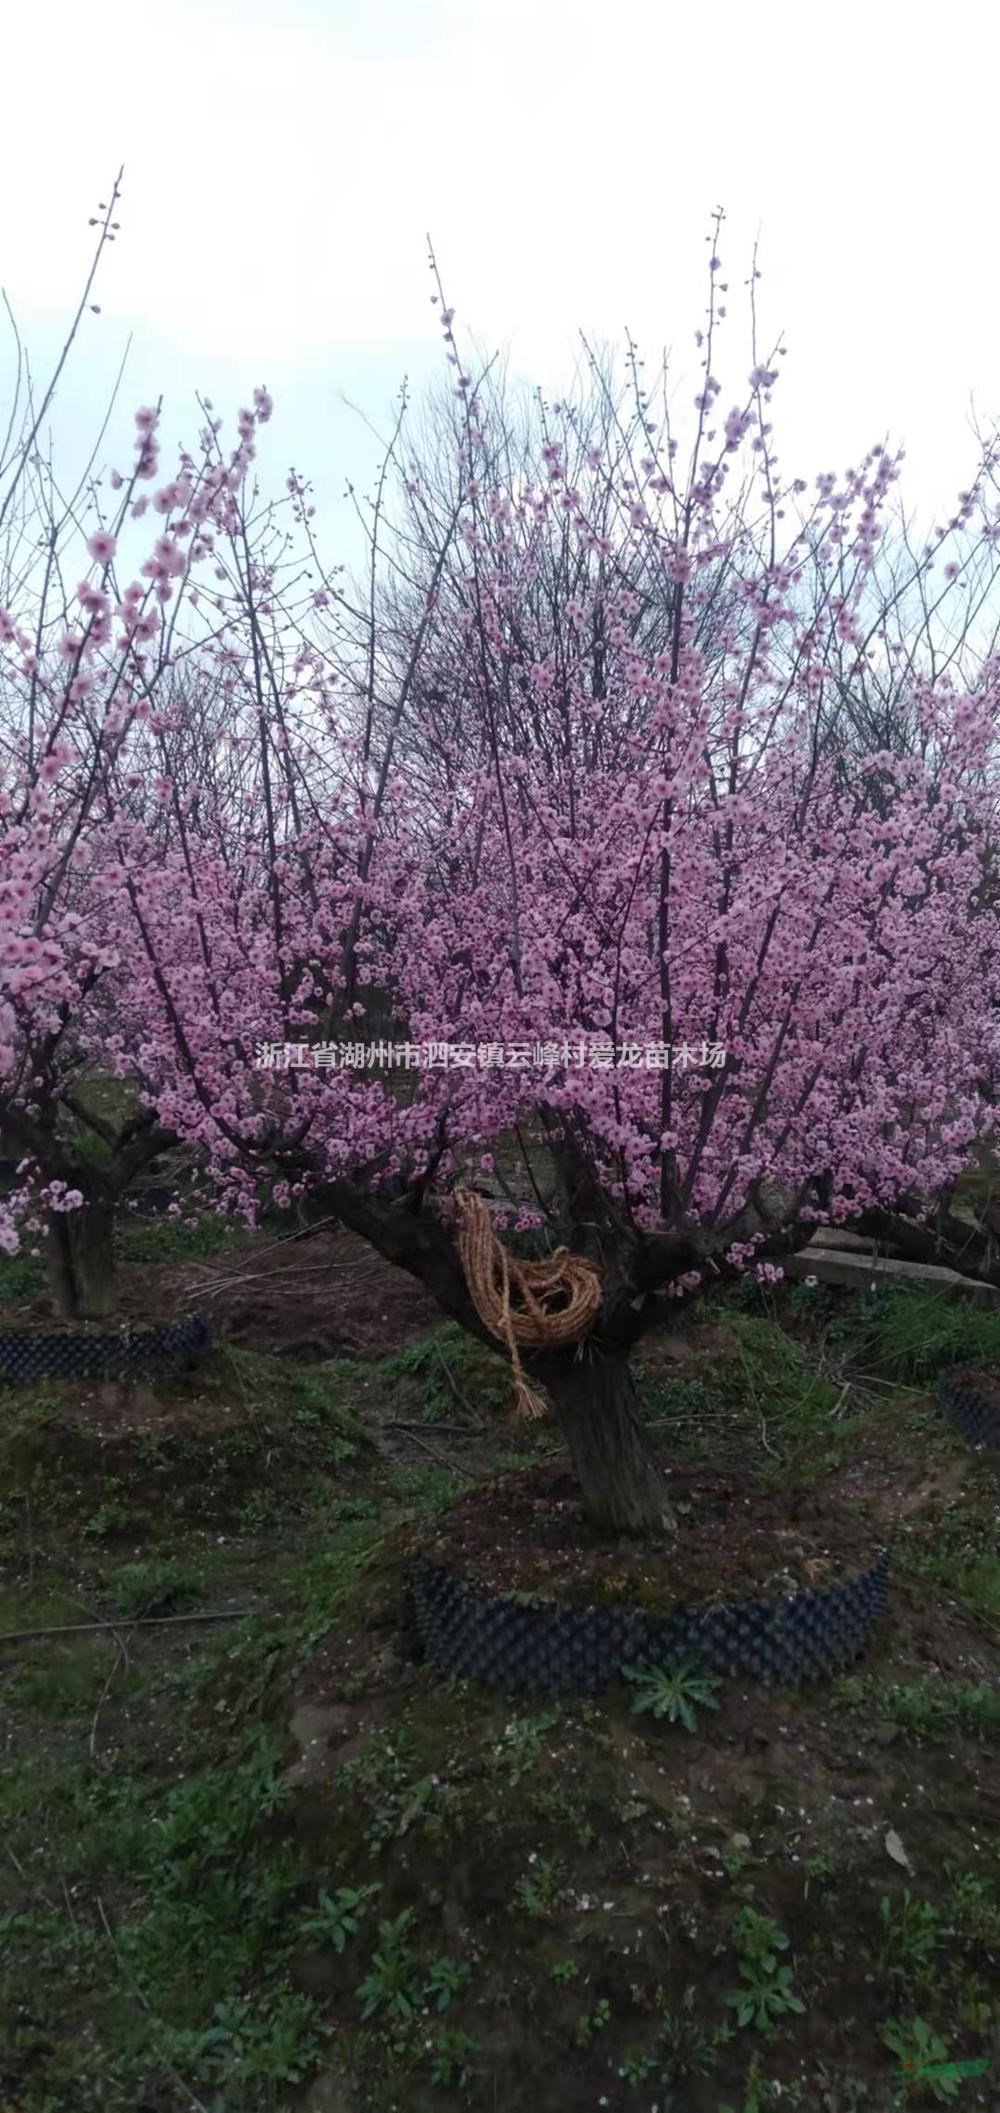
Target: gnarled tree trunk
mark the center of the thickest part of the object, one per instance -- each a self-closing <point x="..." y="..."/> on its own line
<point x="593" y="1388"/>
<point x="597" y="1404"/>
<point x="81" y="1262"/>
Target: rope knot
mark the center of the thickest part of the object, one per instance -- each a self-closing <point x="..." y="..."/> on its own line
<point x="514" y="1299"/>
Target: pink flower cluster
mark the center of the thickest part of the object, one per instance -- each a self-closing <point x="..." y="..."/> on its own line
<point x="621" y="838"/>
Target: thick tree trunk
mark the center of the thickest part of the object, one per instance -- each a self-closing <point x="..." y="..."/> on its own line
<point x="597" y="1405"/>
<point x="81" y="1262"/>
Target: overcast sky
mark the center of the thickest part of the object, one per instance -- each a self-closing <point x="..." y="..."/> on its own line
<point x="284" y="160"/>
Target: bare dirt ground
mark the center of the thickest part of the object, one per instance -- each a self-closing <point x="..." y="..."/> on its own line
<point x="328" y="1296"/>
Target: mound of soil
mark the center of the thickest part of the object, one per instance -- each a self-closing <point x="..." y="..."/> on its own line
<point x="985" y="1382"/>
<point x="330" y="1295"/>
<point x="305" y="1299"/>
<point x="527" y="1532"/>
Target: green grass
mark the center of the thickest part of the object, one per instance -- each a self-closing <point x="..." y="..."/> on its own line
<point x="913" y="1335"/>
<point x="766" y="1402"/>
<point x="156" y="1585"/>
<point x="67" y="1679"/>
<point x="964" y="1560"/>
<point x="425" y="1488"/>
<point x="207" y="1901"/>
<point x="901" y="1331"/>
<point x="681" y="1410"/>
<point x="90" y="1149"/>
<point x="169" y="1956"/>
<point x="195" y="1881"/>
<point x="22" y="1276"/>
<point x="277" y="1443"/>
<point x="931" y="1708"/>
<point x="454" y="1372"/>
<point x="151" y="1240"/>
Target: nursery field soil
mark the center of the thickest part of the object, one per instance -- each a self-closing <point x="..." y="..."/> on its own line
<point x="326" y="1296"/>
<point x="587" y="1866"/>
<point x="528" y="1531"/>
<point x="616" y="1853"/>
<point x="985" y="1383"/>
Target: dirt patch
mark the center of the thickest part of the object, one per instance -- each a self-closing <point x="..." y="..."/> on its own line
<point x="695" y="1350"/>
<point x="123" y="1409"/>
<point x="985" y="1383"/>
<point x="330" y="1296"/>
<point x="327" y="1296"/>
<point x="893" y="1486"/>
<point x="628" y="1847"/>
<point x="328" y="1738"/>
<point x="528" y="1532"/>
<point x="122" y="1460"/>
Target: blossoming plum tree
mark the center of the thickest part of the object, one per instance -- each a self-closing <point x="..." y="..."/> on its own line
<point x="91" y="695"/>
<point x="625" y="905"/>
<point x="578" y="930"/>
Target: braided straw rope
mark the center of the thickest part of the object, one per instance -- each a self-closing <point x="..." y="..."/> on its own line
<point x="492" y="1275"/>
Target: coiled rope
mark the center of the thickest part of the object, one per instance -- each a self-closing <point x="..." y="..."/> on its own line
<point x="496" y="1280"/>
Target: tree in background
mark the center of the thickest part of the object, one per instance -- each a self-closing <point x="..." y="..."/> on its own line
<point x="606" y="446"/>
<point x="105" y="711"/>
